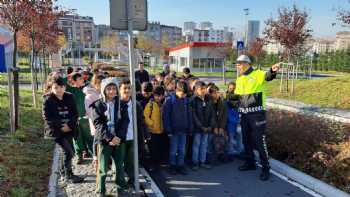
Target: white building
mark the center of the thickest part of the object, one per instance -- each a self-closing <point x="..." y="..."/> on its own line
<point x="200" y="36"/>
<point x="205" y="25"/>
<point x="323" y="46"/>
<point x="78" y="30"/>
<point x="273" y="47"/>
<point x="253" y="31"/>
<point x="174" y="34"/>
<point x="198" y="56"/>
<point x="189" y="27"/>
<point x="228" y="35"/>
<point x="342" y="40"/>
<point x="153" y="31"/>
<point x="211" y="35"/>
<point x="156" y="31"/>
<point x="216" y="35"/>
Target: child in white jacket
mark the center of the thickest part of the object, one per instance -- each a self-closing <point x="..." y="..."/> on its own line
<point x="92" y="93"/>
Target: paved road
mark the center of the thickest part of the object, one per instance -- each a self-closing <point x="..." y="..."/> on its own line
<point x="224" y="181"/>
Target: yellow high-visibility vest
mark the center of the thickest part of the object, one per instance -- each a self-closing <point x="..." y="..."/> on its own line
<point x="252" y="92"/>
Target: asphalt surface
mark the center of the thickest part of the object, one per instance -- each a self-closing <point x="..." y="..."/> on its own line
<point x="224" y="181"/>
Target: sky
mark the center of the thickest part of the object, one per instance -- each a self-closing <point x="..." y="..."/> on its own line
<point x="222" y="12"/>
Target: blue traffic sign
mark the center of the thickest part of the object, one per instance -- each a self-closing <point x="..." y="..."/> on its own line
<point x="2" y="59"/>
<point x="240" y="45"/>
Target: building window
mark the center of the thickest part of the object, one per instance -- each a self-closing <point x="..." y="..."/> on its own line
<point x="210" y="62"/>
<point x="218" y="62"/>
<point x="183" y="61"/>
<point x="172" y="60"/>
<point x="195" y="63"/>
<point x="204" y="63"/>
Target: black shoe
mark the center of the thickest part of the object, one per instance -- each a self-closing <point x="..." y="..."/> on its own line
<point x="231" y="158"/>
<point x="182" y="170"/>
<point x="195" y="167"/>
<point x="246" y="167"/>
<point x="123" y="192"/>
<point x="130" y="184"/>
<point x="72" y="179"/>
<point x="80" y="160"/>
<point x="206" y="166"/>
<point x="265" y="175"/>
<point x="172" y="170"/>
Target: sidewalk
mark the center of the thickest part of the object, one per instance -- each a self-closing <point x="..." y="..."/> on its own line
<point x="87" y="188"/>
<point x="225" y="181"/>
<point x="331" y="114"/>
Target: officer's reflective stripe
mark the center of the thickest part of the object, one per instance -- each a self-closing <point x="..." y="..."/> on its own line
<point x="265" y="146"/>
<point x="246" y="110"/>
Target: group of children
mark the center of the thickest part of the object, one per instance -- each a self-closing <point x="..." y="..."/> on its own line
<point x="180" y="120"/>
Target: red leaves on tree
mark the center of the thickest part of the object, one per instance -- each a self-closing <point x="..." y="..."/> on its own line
<point x="13" y="13"/>
<point x="43" y="28"/>
<point x="256" y="48"/>
<point x="344" y="16"/>
<point x="289" y="29"/>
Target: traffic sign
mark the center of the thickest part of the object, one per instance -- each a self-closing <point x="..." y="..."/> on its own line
<point x="240" y="45"/>
<point x="119" y="14"/>
<point x="2" y="59"/>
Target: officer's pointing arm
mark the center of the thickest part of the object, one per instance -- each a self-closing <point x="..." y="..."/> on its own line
<point x="272" y="73"/>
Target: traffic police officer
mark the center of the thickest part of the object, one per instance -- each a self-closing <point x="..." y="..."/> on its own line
<point x="250" y="87"/>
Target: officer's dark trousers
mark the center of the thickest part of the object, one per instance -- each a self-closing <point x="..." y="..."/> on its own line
<point x="253" y="131"/>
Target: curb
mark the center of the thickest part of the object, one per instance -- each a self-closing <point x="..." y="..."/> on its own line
<point x="153" y="190"/>
<point x="307" y="181"/>
<point x="310" y="111"/>
<point x="54" y="173"/>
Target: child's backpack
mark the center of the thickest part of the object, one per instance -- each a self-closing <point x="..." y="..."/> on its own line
<point x="219" y="143"/>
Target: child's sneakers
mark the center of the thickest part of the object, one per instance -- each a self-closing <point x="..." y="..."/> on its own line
<point x="172" y="170"/>
<point x="206" y="166"/>
<point x="195" y="167"/>
<point x="182" y="170"/>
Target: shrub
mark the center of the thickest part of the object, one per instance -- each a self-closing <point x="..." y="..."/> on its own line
<point x="316" y="146"/>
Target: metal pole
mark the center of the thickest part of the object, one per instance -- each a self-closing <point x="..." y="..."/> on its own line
<point x="73" y="38"/>
<point x="11" y="100"/>
<point x="133" y="96"/>
<point x="223" y="71"/>
<point x="246" y="11"/>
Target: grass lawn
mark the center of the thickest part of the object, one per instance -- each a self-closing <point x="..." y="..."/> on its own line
<point x="333" y="92"/>
<point x="329" y="92"/>
<point x="25" y="157"/>
<point x="24" y="78"/>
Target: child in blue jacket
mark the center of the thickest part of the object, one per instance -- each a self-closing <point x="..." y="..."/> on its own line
<point x="235" y="145"/>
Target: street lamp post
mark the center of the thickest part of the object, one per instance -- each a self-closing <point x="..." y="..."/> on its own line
<point x="73" y="11"/>
<point x="130" y="14"/>
<point x="246" y="13"/>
